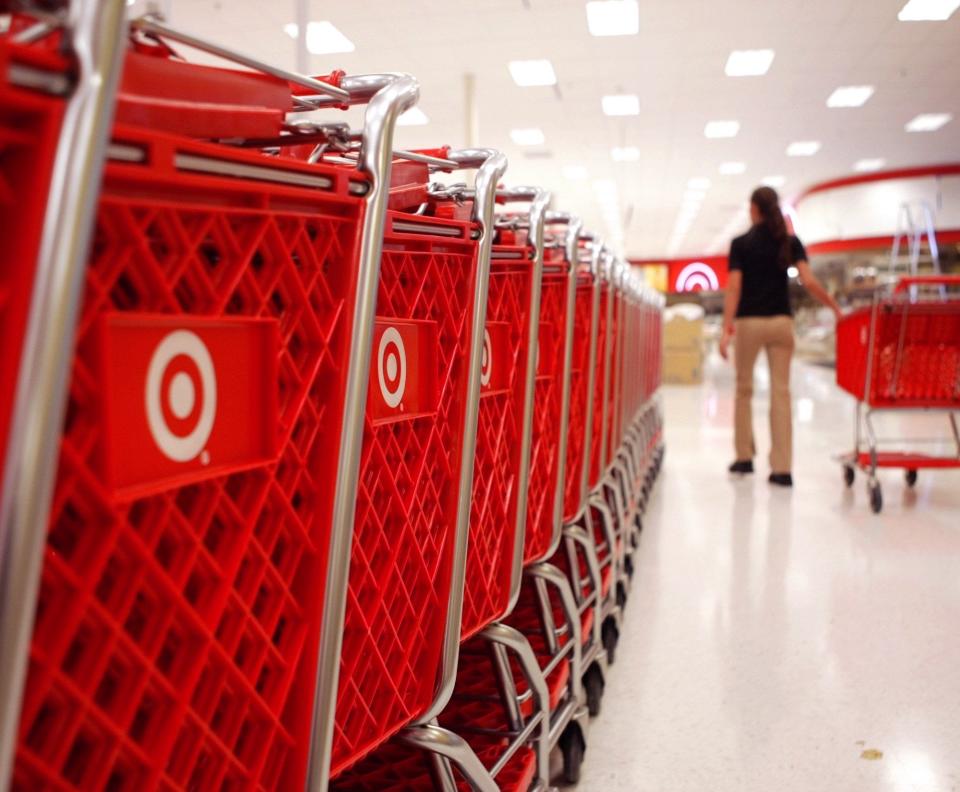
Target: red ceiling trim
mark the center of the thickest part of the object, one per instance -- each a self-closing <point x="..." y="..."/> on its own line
<point x="948" y="169"/>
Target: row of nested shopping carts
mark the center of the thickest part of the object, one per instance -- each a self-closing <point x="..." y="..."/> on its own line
<point x="318" y="473"/>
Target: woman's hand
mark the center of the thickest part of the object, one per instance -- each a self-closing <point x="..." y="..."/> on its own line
<point x="725" y="342"/>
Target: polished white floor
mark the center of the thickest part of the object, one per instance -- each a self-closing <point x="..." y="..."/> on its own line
<point x="772" y="637"/>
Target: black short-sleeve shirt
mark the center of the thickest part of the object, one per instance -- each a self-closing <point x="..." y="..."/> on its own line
<point x="765" y="290"/>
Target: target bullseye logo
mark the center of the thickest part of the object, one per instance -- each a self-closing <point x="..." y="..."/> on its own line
<point x="486" y="364"/>
<point x="697" y="275"/>
<point x="181" y="396"/>
<point x="392" y="367"/>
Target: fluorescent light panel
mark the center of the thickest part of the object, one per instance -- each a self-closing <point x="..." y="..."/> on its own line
<point x="803" y="148"/>
<point x="323" y="38"/>
<point x="613" y="17"/>
<point x="527" y="137"/>
<point x="625" y="153"/>
<point x="749" y="63"/>
<point x="869" y="165"/>
<point x="928" y="10"/>
<point x="699" y="183"/>
<point x="413" y="117"/>
<point x="721" y="129"/>
<point x="850" y="96"/>
<point x="532" y="73"/>
<point x="774" y="181"/>
<point x="621" y="105"/>
<point x="733" y="168"/>
<point x="929" y="122"/>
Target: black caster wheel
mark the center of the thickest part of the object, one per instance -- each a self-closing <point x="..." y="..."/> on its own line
<point x="848" y="475"/>
<point x="628" y="566"/>
<point x="621" y="596"/>
<point x="911" y="477"/>
<point x="876" y="497"/>
<point x="573" y="747"/>
<point x="611" y="637"/>
<point x="638" y="523"/>
<point x="593" y="685"/>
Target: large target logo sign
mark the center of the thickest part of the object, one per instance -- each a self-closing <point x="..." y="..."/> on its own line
<point x="697" y="276"/>
<point x="496" y="362"/>
<point x="187" y="397"/>
<point x="181" y="396"/>
<point x="403" y="377"/>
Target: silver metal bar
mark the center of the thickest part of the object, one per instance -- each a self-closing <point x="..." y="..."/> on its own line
<point x="540" y="201"/>
<point x="416" y="156"/>
<point x="579" y="536"/>
<point x="596" y="248"/>
<point x="956" y="430"/>
<point x="550" y="574"/>
<point x="607" y="268"/>
<point x="95" y="31"/>
<point x="571" y="256"/>
<point x="152" y="26"/>
<point x="490" y="165"/>
<point x="536" y="682"/>
<point x="432" y="738"/>
<point x="382" y="112"/>
<point x="442" y="771"/>
<point x="199" y="164"/>
<point x="507" y="685"/>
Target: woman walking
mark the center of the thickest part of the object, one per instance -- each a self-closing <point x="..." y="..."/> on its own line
<point x="757" y="315"/>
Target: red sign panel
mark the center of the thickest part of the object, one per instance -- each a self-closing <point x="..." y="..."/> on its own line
<point x="497" y="362"/>
<point x="705" y="274"/>
<point x="403" y="370"/>
<point x="187" y="398"/>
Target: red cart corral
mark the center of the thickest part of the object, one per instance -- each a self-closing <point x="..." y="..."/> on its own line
<point x="224" y="315"/>
<point x="903" y="353"/>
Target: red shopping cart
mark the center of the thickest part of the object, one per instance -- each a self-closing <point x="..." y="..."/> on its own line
<point x="182" y="591"/>
<point x="903" y="353"/>
<point x="468" y="750"/>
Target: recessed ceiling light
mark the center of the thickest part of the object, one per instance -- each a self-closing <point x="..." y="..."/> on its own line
<point x="575" y="172"/>
<point x="694" y="196"/>
<point x="531" y="73"/>
<point x="323" y="38"/>
<point x="625" y="153"/>
<point x="613" y="17"/>
<point x="621" y="105"/>
<point x="928" y="10"/>
<point x="721" y="129"/>
<point x="868" y="165"/>
<point x="803" y="148"/>
<point x="929" y="122"/>
<point x="749" y="63"/>
<point x="527" y="137"/>
<point x="850" y="96"/>
<point x="774" y="181"/>
<point x="733" y="168"/>
<point x="699" y="183"/>
<point x="413" y="117"/>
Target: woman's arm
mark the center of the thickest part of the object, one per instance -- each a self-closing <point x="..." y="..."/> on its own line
<point x="812" y="285"/>
<point x="731" y="300"/>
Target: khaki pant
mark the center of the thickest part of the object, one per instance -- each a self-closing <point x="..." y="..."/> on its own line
<point x="775" y="335"/>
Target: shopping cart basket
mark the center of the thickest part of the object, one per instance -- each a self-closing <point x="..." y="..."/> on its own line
<point x="182" y="591"/>
<point x="903" y="353"/>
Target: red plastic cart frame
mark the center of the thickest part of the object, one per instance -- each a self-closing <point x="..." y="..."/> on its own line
<point x="94" y="34"/>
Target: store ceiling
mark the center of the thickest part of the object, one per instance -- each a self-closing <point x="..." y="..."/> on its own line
<point x="675" y="65"/>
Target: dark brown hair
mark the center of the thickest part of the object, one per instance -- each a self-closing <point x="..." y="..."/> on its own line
<point x="768" y="204"/>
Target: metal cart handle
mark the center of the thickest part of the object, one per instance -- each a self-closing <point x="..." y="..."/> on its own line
<point x="926" y="280"/>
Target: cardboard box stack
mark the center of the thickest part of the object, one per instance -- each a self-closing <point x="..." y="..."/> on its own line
<point x="683" y="345"/>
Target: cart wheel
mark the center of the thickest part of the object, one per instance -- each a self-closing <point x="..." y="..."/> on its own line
<point x="876" y="497"/>
<point x="638" y="522"/>
<point x="610" y="636"/>
<point x="911" y="477"/>
<point x="573" y="747"/>
<point x="628" y="566"/>
<point x="621" y="596"/>
<point x="848" y="475"/>
<point x="593" y="686"/>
